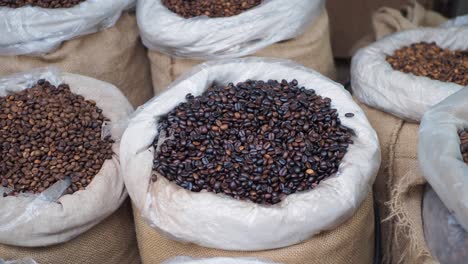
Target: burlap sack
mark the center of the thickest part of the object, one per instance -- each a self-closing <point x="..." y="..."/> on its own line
<point x="111" y="242"/>
<point x="352" y="242"/>
<point x="399" y="190"/>
<point x="114" y="55"/>
<point x="312" y="49"/>
<point x="387" y="20"/>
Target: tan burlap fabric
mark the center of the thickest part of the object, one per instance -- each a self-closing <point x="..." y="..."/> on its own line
<point x="399" y="190"/>
<point x="114" y="55"/>
<point x="352" y="242"/>
<point x="111" y="242"/>
<point x="312" y="49"/>
<point x="387" y="20"/>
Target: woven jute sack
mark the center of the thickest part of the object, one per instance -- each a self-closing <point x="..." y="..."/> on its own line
<point x="311" y="49"/>
<point x="399" y="189"/>
<point x="110" y="242"/>
<point x="114" y="55"/>
<point x="352" y="242"/>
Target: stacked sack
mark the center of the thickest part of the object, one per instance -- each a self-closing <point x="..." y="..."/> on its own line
<point x="94" y="38"/>
<point x="62" y="223"/>
<point x="297" y="30"/>
<point x="398" y="102"/>
<point x="443" y="157"/>
<point x="333" y="223"/>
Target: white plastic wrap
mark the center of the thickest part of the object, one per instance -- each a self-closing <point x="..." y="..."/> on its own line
<point x="439" y="153"/>
<point x="187" y="260"/>
<point x="377" y="84"/>
<point x="50" y="218"/>
<point x="460" y="21"/>
<point x="218" y="221"/>
<point x="229" y="37"/>
<point x="447" y="240"/>
<point x="21" y="261"/>
<point x="34" y="30"/>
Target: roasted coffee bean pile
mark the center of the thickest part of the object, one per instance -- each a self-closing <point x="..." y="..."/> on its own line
<point x="430" y="60"/>
<point x="40" y="3"/>
<point x="48" y="133"/>
<point x="210" y="8"/>
<point x="256" y="140"/>
<point x="464" y="144"/>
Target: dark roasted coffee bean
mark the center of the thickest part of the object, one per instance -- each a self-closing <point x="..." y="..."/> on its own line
<point x="48" y="133"/>
<point x="40" y="3"/>
<point x="258" y="146"/>
<point x="430" y="60"/>
<point x="210" y="8"/>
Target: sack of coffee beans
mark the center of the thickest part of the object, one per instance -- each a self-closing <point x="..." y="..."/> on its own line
<point x="209" y="29"/>
<point x="406" y="73"/>
<point x="60" y="176"/>
<point x="446" y="238"/>
<point x="399" y="188"/>
<point x="187" y="260"/>
<point x="256" y="172"/>
<point x="296" y="30"/>
<point x="33" y="27"/>
<point x="113" y="55"/>
<point x="443" y="145"/>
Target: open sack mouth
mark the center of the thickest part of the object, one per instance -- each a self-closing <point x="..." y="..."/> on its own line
<point x="256" y="140"/>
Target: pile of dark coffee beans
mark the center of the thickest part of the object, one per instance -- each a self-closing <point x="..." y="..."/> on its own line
<point x="430" y="60"/>
<point x="210" y="8"/>
<point x="40" y="3"/>
<point x="464" y="144"/>
<point x="48" y="133"/>
<point x="256" y="140"/>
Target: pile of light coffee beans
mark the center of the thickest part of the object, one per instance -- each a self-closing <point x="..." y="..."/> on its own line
<point x="464" y="144"/>
<point x="210" y="8"/>
<point x="430" y="60"/>
<point x="48" y="133"/>
<point x="40" y="3"/>
<point x="256" y="140"/>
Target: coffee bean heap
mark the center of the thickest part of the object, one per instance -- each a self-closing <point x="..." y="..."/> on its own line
<point x="464" y="144"/>
<point x="430" y="60"/>
<point x="210" y="8"/>
<point x="40" y="3"/>
<point x="256" y="140"/>
<point x="48" y="133"/>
